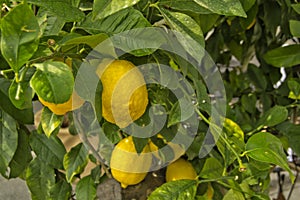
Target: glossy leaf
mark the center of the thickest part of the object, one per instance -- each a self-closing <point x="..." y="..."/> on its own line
<point x="296" y="7"/>
<point x="86" y="188"/>
<point x="185" y="5"/>
<point x="180" y="190"/>
<point x="61" y="8"/>
<point x="22" y="156"/>
<point x="265" y="147"/>
<point x="139" y="42"/>
<point x="118" y="22"/>
<point x="75" y="161"/>
<point x="24" y="116"/>
<point x="273" y="116"/>
<point x="287" y="56"/>
<point x="53" y="24"/>
<point x="212" y="169"/>
<point x="91" y="40"/>
<point x="8" y="141"/>
<point x="185" y="25"/>
<point x="40" y="178"/>
<point x="53" y="81"/>
<point x="19" y="36"/>
<point x="295" y="28"/>
<point x="20" y="94"/>
<point x="104" y="8"/>
<point x="62" y="190"/>
<point x="223" y="7"/>
<point x="50" y="150"/>
<point x="50" y="121"/>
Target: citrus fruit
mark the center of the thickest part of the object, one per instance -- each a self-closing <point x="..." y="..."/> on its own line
<point x="73" y="103"/>
<point x="180" y="169"/>
<point x="124" y="95"/>
<point x="127" y="166"/>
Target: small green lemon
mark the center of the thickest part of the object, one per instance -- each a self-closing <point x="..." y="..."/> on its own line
<point x="127" y="166"/>
<point x="180" y="169"/>
<point x="124" y="95"/>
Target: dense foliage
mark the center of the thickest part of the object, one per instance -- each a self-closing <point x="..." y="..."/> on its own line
<point x="254" y="43"/>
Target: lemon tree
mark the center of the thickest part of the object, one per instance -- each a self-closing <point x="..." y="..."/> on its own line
<point x="138" y="77"/>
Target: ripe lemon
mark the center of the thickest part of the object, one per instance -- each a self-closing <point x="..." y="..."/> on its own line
<point x="124" y="95"/>
<point x="60" y="109"/>
<point x="180" y="169"/>
<point x="127" y="166"/>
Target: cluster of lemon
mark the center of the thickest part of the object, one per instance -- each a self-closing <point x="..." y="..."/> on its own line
<point x="124" y="100"/>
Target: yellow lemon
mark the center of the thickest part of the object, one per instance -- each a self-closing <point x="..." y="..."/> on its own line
<point x="60" y="109"/>
<point x="180" y="169"/>
<point x="127" y="166"/>
<point x="124" y="95"/>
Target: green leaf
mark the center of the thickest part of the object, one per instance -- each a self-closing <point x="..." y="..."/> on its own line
<point x="61" y="8"/>
<point x="295" y="28"/>
<point x="265" y="147"/>
<point x="287" y="56"/>
<point x="140" y="41"/>
<point x="118" y="22"/>
<point x="62" y="190"/>
<point x="8" y="141"/>
<point x="22" y="156"/>
<point x="112" y="132"/>
<point x="91" y="40"/>
<point x="140" y="143"/>
<point x="24" y="116"/>
<point x="233" y="195"/>
<point x="181" y="111"/>
<point x="50" y="150"/>
<point x="179" y="190"/>
<point x="53" y="81"/>
<point x="19" y="36"/>
<point x="104" y="8"/>
<point x="75" y="161"/>
<point x="20" y="94"/>
<point x="50" y="121"/>
<point x="53" y="24"/>
<point x="185" y="25"/>
<point x="40" y="178"/>
<point x="257" y="77"/>
<point x="273" y="116"/>
<point x="294" y="87"/>
<point x="212" y="169"/>
<point x="296" y="7"/>
<point x="86" y="189"/>
<point x="185" y="5"/>
<point x="223" y="7"/>
<point x="291" y="131"/>
<point x="249" y="102"/>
